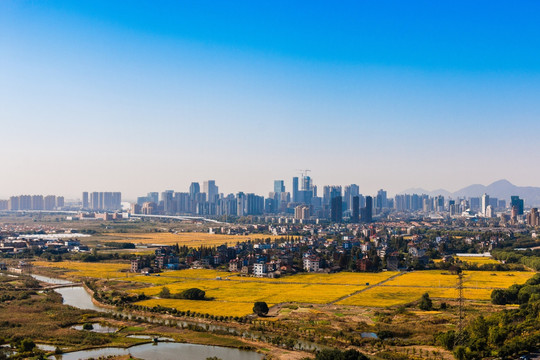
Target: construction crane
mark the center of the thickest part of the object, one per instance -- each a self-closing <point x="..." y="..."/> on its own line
<point x="303" y="172"/>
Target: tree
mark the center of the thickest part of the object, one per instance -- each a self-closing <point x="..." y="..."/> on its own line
<point x="165" y="293"/>
<point x="193" y="294"/>
<point x="260" y="308"/>
<point x="425" y="303"/>
<point x="27" y="345"/>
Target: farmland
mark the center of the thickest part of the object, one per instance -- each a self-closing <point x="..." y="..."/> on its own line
<point x="477" y="260"/>
<point x="191" y="239"/>
<point x="83" y="269"/>
<point x="438" y="284"/>
<point x="234" y="295"/>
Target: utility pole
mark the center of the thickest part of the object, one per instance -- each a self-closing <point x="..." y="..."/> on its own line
<point x="459" y="335"/>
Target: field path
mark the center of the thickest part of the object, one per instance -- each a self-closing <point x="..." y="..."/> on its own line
<point x="367" y="288"/>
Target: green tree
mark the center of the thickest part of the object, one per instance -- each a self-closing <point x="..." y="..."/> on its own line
<point x="260" y="308"/>
<point x="27" y="345"/>
<point x="425" y="303"/>
<point x="165" y="293"/>
<point x="193" y="294"/>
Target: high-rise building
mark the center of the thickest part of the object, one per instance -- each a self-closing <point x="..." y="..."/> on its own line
<point x="14" y="203"/>
<point x="105" y="201"/>
<point x="301" y="212"/>
<point x="485" y="204"/>
<point x="38" y="202"/>
<point x="355" y="209"/>
<point x="349" y="192"/>
<point x="194" y="189"/>
<point x="381" y="200"/>
<point x="168" y="203"/>
<point x="367" y="211"/>
<point x="330" y="192"/>
<point x="474" y="204"/>
<point x="295" y="189"/>
<point x="533" y="217"/>
<point x="240" y="204"/>
<point x="517" y="203"/>
<point x="279" y="186"/>
<point x="50" y="202"/>
<point x="85" y="204"/>
<point x="336" y="211"/>
<point x="211" y="190"/>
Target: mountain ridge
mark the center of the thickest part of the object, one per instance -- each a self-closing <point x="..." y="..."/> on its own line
<point x="501" y="189"/>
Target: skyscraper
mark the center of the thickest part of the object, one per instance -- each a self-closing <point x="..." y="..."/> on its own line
<point x="367" y="212"/>
<point x="349" y="192"/>
<point x="485" y="204"/>
<point x="211" y="190"/>
<point x="295" y="189"/>
<point x="279" y="186"/>
<point x="355" y="209"/>
<point x="194" y="189"/>
<point x="517" y="203"/>
<point x="85" y="200"/>
<point x="381" y="199"/>
<point x="336" y="213"/>
<point x="168" y="203"/>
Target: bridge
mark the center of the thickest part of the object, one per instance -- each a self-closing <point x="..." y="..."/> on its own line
<point x="66" y="212"/>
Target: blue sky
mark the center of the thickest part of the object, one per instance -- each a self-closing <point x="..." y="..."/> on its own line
<point x="140" y="96"/>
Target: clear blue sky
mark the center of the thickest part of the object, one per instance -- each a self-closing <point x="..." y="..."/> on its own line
<point x="141" y="96"/>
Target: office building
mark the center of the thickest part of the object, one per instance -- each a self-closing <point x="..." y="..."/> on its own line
<point x="295" y="189"/>
<point x="518" y="204"/>
<point x="336" y="213"/>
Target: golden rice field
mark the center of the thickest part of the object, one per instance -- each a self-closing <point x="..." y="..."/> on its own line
<point x="204" y="307"/>
<point x="382" y="296"/>
<point x="477" y="260"/>
<point x="234" y="295"/>
<point x="95" y="270"/>
<point x="481" y="279"/>
<point x="409" y="287"/>
<point x="191" y="239"/>
<point x="245" y="291"/>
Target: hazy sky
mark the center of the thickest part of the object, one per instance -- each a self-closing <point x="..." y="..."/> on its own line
<point x="139" y="96"/>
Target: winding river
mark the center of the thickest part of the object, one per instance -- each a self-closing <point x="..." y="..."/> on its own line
<point x="78" y="297"/>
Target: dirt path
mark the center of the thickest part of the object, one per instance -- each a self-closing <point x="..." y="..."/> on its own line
<point x="366" y="288"/>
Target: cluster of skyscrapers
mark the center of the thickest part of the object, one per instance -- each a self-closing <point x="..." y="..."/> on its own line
<point x="102" y="201"/>
<point x="32" y="202"/>
<point x="303" y="202"/>
<point x="208" y="202"/>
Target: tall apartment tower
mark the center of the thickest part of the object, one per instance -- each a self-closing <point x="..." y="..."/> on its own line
<point x="485" y="204"/>
<point x="85" y="204"/>
<point x="295" y="189"/>
<point x="367" y="212"/>
<point x="356" y="209"/>
<point x="349" y="192"/>
<point x="336" y="210"/>
<point x="211" y="190"/>
<point x="194" y="189"/>
<point x="279" y="186"/>
<point x="517" y="203"/>
<point x="168" y="203"/>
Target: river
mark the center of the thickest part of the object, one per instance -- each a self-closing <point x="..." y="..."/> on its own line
<point x="78" y="297"/>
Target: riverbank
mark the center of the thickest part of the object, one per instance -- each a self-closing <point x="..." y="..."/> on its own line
<point x="186" y="330"/>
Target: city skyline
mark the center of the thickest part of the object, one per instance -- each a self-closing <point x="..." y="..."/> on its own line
<point x="288" y="184"/>
<point x="101" y="95"/>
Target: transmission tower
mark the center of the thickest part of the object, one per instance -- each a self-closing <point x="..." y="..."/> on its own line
<point x="459" y="335"/>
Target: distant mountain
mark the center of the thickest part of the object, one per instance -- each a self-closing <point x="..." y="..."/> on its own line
<point x="501" y="189"/>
